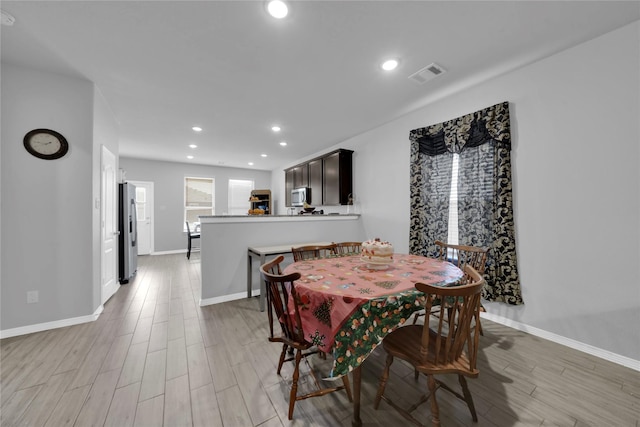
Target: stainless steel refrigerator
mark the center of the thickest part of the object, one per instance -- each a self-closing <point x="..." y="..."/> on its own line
<point x="128" y="236"/>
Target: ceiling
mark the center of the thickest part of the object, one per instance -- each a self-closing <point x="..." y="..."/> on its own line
<point x="227" y="66"/>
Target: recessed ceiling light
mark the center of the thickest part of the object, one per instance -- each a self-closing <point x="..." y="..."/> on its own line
<point x="250" y="163"/>
<point x="193" y="146"/>
<point x="197" y="129"/>
<point x="263" y="155"/>
<point x="277" y="8"/>
<point x="283" y="143"/>
<point x="275" y="128"/>
<point x="189" y="157"/>
<point x="390" y="64"/>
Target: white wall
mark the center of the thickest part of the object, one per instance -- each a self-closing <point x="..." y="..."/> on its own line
<point x="575" y="135"/>
<point x="47" y="206"/>
<point x="168" y="179"/>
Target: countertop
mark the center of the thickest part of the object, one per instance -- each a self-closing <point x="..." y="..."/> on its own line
<point x="212" y="219"/>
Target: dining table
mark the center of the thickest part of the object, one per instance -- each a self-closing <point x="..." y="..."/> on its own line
<point x="348" y="305"/>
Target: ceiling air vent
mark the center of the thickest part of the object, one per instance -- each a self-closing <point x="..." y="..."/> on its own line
<point x="427" y="73"/>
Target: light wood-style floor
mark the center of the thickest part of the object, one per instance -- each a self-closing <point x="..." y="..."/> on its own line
<point x="154" y="358"/>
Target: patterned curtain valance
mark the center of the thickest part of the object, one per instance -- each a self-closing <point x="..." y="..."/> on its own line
<point x="471" y="130"/>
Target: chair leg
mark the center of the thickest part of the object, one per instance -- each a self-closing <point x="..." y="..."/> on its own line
<point x="467" y="397"/>
<point x="383" y="382"/>
<point x="347" y="386"/>
<point x="435" y="411"/>
<point x="282" y="356"/>
<point x="480" y="327"/>
<point x="294" y="384"/>
<point x="189" y="248"/>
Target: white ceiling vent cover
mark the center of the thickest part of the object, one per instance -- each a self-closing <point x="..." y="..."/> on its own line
<point x="427" y="73"/>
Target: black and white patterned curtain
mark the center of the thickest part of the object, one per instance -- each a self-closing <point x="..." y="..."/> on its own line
<point x="482" y="141"/>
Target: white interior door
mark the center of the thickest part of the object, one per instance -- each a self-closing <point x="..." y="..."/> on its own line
<point x="109" y="224"/>
<point x="144" y="206"/>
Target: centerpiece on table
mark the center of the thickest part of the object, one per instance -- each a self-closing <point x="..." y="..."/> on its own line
<point x="377" y="254"/>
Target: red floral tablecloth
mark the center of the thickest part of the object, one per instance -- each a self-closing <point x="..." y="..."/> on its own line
<point x="347" y="308"/>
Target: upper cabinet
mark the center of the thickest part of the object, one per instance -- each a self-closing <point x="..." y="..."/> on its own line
<point x="337" y="178"/>
<point x="288" y="186"/>
<point x="329" y="177"/>
<point x="300" y="176"/>
<point x="315" y="181"/>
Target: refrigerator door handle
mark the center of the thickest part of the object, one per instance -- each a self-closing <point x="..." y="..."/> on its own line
<point x="134" y="223"/>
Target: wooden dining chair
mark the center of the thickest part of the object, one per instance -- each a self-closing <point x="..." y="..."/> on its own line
<point x="280" y="291"/>
<point x="446" y="344"/>
<point x="460" y="256"/>
<point x="190" y="237"/>
<point x="302" y="253"/>
<point x="348" y="248"/>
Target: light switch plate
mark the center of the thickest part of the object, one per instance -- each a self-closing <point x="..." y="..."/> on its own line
<point x="32" y="297"/>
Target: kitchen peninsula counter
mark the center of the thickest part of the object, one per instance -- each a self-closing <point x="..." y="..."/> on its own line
<point x="225" y="240"/>
<point x="275" y="218"/>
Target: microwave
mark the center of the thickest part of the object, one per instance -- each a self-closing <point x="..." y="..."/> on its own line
<point x="300" y="195"/>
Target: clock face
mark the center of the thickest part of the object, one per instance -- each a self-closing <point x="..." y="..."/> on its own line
<point x="46" y="144"/>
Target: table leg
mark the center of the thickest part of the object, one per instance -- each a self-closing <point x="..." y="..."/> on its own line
<point x="249" y="274"/>
<point x="263" y="290"/>
<point x="356" y="422"/>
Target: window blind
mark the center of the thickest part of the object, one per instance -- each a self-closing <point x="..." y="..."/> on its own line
<point x="239" y="193"/>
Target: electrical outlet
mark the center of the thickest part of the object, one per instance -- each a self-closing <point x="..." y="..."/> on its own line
<point x="32" y="297"/>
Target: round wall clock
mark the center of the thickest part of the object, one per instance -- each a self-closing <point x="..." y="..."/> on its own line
<point x="46" y="144"/>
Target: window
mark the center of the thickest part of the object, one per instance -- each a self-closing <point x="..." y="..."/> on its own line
<point x="198" y="198"/>
<point x="141" y="203"/>
<point x="452" y="227"/>
<point x="239" y="193"/>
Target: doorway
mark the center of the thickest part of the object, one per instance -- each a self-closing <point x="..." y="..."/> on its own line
<point x="144" y="207"/>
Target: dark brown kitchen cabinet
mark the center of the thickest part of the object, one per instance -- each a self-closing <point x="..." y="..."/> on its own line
<point x="328" y="176"/>
<point x="337" y="177"/>
<point x="300" y="176"/>
<point x="315" y="181"/>
<point x="288" y="186"/>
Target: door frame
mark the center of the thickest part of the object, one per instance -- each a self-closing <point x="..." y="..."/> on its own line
<point x="150" y="204"/>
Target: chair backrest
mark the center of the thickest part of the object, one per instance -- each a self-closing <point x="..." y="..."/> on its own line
<point x="451" y="336"/>
<point x="462" y="255"/>
<point x="188" y="228"/>
<point x="302" y="253"/>
<point x="347" y="248"/>
<point x="280" y="291"/>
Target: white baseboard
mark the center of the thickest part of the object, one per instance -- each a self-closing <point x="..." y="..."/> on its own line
<point x="226" y="298"/>
<point x="23" y="330"/>
<point x="176" y="251"/>
<point x="568" y="342"/>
